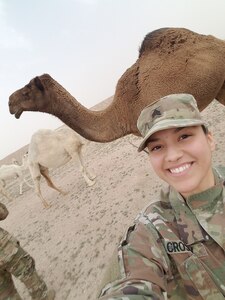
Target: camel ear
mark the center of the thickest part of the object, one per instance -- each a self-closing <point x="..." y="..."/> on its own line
<point x="39" y="84"/>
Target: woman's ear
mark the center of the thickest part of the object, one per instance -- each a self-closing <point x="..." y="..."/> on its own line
<point x="211" y="141"/>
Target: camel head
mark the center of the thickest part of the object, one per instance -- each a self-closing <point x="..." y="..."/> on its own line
<point x="32" y="97"/>
<point x="44" y="94"/>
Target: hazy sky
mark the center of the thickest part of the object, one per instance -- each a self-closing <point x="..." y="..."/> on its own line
<point x="86" y="45"/>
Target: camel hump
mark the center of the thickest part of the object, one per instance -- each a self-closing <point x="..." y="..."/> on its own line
<point x="167" y="39"/>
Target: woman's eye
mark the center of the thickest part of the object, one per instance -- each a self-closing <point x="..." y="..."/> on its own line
<point x="155" y="148"/>
<point x="184" y="136"/>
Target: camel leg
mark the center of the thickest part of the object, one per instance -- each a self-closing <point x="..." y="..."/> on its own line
<point x="45" y="173"/>
<point x="21" y="187"/>
<point x="38" y="191"/>
<point x="27" y="183"/>
<point x="20" y="182"/>
<point x="90" y="175"/>
<point x="23" y="180"/>
<point x="36" y="177"/>
<point x="19" y="176"/>
<point x="87" y="177"/>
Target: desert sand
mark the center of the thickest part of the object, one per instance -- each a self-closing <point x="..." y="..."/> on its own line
<point x="73" y="240"/>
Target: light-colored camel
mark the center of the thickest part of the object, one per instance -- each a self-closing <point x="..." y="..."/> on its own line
<point x="9" y="172"/>
<point x="51" y="149"/>
<point x="171" y="60"/>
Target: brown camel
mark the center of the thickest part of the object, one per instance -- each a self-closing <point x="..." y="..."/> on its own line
<point x="171" y="60"/>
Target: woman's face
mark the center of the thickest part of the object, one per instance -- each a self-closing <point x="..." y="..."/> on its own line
<point x="183" y="158"/>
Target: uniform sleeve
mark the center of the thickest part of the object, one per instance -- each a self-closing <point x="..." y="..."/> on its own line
<point x="138" y="271"/>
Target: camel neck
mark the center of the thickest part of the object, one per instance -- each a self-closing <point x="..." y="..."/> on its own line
<point x="99" y="126"/>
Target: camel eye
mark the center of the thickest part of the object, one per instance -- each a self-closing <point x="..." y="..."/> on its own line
<point x="25" y="93"/>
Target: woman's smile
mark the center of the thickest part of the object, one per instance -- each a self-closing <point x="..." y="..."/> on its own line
<point x="183" y="158"/>
<point x="181" y="169"/>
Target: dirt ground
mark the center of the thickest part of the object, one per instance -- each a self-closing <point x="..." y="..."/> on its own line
<point x="73" y="240"/>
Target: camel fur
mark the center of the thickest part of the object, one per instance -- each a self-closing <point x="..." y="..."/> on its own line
<point x="51" y="149"/>
<point x="171" y="60"/>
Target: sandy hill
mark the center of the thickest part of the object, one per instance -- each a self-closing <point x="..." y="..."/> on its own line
<point x="74" y="239"/>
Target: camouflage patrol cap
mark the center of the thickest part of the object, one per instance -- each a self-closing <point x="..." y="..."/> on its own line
<point x="175" y="110"/>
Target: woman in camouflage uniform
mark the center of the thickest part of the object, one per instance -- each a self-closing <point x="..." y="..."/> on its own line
<point x="176" y="247"/>
<point x="15" y="261"/>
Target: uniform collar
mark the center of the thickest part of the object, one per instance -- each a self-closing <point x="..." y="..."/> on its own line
<point x="205" y="209"/>
<point x="209" y="209"/>
<point x="187" y="223"/>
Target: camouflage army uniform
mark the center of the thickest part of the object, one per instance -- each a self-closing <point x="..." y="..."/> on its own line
<point x="14" y="260"/>
<point x="174" y="246"/>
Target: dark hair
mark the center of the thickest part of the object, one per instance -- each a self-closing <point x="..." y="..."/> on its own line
<point x="205" y="129"/>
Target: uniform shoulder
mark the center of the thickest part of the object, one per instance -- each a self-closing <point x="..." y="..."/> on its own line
<point x="160" y="209"/>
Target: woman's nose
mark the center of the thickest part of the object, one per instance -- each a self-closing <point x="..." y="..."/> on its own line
<point x="173" y="154"/>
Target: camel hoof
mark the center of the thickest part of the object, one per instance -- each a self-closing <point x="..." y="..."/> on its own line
<point x="64" y="193"/>
<point x="92" y="182"/>
<point x="47" y="207"/>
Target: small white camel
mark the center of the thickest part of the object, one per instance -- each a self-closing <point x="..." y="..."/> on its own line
<point x="51" y="149"/>
<point x="9" y="172"/>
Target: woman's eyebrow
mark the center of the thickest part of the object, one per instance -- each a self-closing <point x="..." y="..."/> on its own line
<point x="179" y="129"/>
<point x="152" y="140"/>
